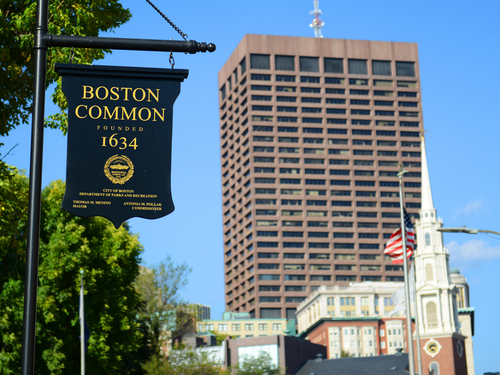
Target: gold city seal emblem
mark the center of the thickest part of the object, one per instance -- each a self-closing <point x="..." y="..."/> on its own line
<point x="119" y="169"/>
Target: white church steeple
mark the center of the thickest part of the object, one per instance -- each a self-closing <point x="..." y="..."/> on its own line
<point x="436" y="295"/>
<point x="428" y="212"/>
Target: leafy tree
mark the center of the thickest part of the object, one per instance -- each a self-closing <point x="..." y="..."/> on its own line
<point x="68" y="244"/>
<point x="185" y="362"/>
<point x="162" y="310"/>
<point x="260" y="365"/>
<point x="346" y="354"/>
<point x="17" y="26"/>
<point x="221" y="336"/>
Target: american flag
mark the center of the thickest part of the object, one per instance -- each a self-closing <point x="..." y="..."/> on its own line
<point x="394" y="247"/>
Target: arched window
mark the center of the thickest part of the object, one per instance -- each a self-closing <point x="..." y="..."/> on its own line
<point x="427" y="239"/>
<point x="429" y="274"/>
<point x="434" y="368"/>
<point x="431" y="315"/>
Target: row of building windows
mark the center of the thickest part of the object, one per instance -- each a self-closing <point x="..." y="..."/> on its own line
<point x="339" y="141"/>
<point x="319" y="100"/>
<point x="316" y="192"/>
<point x="327" y="256"/>
<point x="298" y="181"/>
<point x="318" y="90"/>
<point x="337" y="214"/>
<point x="364" y="301"/>
<point x="337" y="224"/>
<point x="319" y="245"/>
<point x="278" y="299"/>
<point x="338" y="172"/>
<point x="391" y="133"/>
<point x="237" y="327"/>
<point x="366" y="163"/>
<point x="327" y="90"/>
<point x="316" y="99"/>
<point x="385" y="103"/>
<point x="271" y="277"/>
<point x="327" y="267"/>
<point x="332" y="80"/>
<point x="330" y="65"/>
<point x="274" y="223"/>
<point x="298" y="202"/>
<point x="306" y="130"/>
<point x="319" y="120"/>
<point x="337" y="81"/>
<point x="342" y="151"/>
<point x="317" y="214"/>
<point x="272" y="212"/>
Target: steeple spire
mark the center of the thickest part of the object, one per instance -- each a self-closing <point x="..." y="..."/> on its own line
<point x="427" y="203"/>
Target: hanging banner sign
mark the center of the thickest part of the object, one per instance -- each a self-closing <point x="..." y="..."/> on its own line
<point x="119" y="140"/>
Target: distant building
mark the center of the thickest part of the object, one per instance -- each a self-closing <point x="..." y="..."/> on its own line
<point x="353" y="318"/>
<point x="360" y="336"/>
<point x="365" y="299"/>
<point x="288" y="352"/>
<point x="465" y="315"/>
<point x="203" y="312"/>
<point x="462" y="288"/>
<point x="242" y="325"/>
<point x="312" y="131"/>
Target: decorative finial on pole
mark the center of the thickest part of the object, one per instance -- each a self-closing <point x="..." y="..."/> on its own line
<point x="317" y="23"/>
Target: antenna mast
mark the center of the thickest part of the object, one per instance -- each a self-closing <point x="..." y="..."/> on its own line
<point x="317" y="23"/>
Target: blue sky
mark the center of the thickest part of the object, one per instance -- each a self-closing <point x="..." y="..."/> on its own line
<point x="458" y="49"/>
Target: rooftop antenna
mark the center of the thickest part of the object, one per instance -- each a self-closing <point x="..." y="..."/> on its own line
<point x="317" y="23"/>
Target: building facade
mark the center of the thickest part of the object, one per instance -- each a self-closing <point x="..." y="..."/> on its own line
<point x="367" y="299"/>
<point x="204" y="312"/>
<point x="242" y="325"/>
<point x="359" y="336"/>
<point x="312" y="131"/>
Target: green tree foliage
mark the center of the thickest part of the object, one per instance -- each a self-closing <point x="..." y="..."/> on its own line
<point x="185" y="362"/>
<point x="221" y="336"/>
<point x="68" y="244"/>
<point x="346" y="354"/>
<point x="17" y="25"/>
<point x="164" y="312"/>
<point x="260" y="365"/>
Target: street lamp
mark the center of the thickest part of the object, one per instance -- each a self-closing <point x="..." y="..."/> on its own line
<point x="465" y="230"/>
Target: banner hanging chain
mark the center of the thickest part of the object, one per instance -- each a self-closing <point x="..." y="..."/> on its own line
<point x="171" y="60"/>
<point x="184" y="36"/>
<point x="71" y="55"/>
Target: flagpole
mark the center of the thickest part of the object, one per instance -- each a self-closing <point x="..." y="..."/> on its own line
<point x="409" y="329"/>
<point x="419" y="356"/>
<point x="82" y="326"/>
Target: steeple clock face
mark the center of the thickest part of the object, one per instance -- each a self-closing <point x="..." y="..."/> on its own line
<point x="432" y="347"/>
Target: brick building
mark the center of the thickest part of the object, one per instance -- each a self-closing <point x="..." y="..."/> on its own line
<point x="312" y="131"/>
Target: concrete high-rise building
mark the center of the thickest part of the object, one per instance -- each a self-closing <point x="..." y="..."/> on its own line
<point x="312" y="132"/>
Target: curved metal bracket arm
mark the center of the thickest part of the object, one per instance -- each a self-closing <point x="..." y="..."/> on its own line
<point x="190" y="46"/>
<point x="465" y="230"/>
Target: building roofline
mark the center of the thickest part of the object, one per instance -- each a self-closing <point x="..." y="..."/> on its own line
<point x="311" y="37"/>
<point x="239" y="320"/>
<point x="468" y="311"/>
